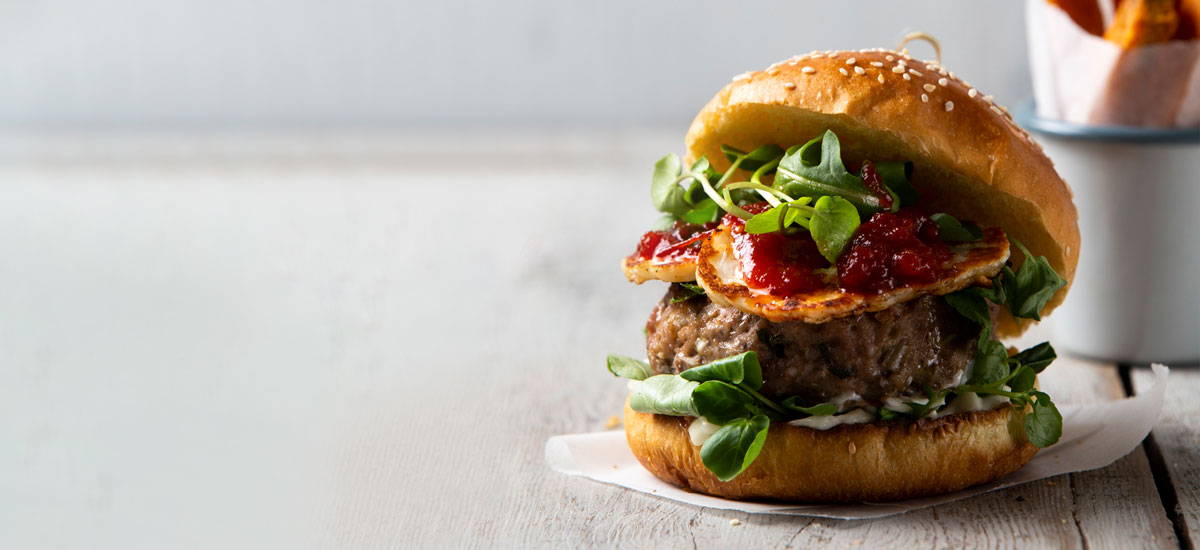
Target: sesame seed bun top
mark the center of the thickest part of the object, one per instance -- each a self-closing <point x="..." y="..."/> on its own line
<point x="970" y="159"/>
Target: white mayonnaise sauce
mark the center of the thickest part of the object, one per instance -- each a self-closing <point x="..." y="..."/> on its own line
<point x="856" y="416"/>
<point x="700" y="430"/>
<point x="968" y="402"/>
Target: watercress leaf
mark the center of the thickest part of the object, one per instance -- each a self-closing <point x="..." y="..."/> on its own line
<point x="735" y="446"/>
<point x="1023" y="380"/>
<point x="887" y="414"/>
<point x="1034" y="284"/>
<point x="971" y="304"/>
<point x="766" y="222"/>
<point x="692" y="291"/>
<point x="816" y="169"/>
<point x="754" y="159"/>
<point x="895" y="176"/>
<point x="990" y="364"/>
<point x="694" y="194"/>
<point x="1043" y="426"/>
<point x="742" y="368"/>
<point x="823" y="409"/>
<point x="664" y="394"/>
<point x="628" y="367"/>
<point x="1038" y="357"/>
<point x="954" y="231"/>
<point x="665" y="192"/>
<point x="705" y="211"/>
<point x="833" y="223"/>
<point x="665" y="223"/>
<point x="722" y="402"/>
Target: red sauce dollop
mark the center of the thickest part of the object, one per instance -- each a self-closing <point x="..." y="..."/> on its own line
<point x="874" y="182"/>
<point x="892" y="250"/>
<point x="673" y="243"/>
<point x="780" y="264"/>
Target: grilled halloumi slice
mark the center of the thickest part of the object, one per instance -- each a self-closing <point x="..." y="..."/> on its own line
<point x="672" y="270"/>
<point x="720" y="273"/>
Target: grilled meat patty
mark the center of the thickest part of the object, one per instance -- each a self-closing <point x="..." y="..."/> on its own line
<point x="922" y="343"/>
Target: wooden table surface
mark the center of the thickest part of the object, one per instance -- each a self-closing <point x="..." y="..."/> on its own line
<point x="364" y="342"/>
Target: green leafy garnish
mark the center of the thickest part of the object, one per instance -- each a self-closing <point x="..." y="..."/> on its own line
<point x="665" y="192"/>
<point x="833" y="223"/>
<point x="815" y="169"/>
<point x="735" y="446"/>
<point x="1034" y="284"/>
<point x="754" y="159"/>
<point x="990" y="363"/>
<point x="954" y="231"/>
<point x="1037" y="358"/>
<point x="823" y="409"/>
<point x="742" y="368"/>
<point x="1024" y="293"/>
<point x="664" y="394"/>
<point x="1043" y="426"/>
<point x="722" y="402"/>
<point x="693" y="289"/>
<point x="628" y="367"/>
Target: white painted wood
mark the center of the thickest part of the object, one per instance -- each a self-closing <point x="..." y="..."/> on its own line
<point x="1177" y="437"/>
<point x="369" y="351"/>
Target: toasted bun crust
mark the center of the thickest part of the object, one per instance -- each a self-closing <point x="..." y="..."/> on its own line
<point x="850" y="463"/>
<point x="970" y="159"/>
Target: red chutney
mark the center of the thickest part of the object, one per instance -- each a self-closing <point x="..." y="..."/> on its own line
<point x="780" y="264"/>
<point x="892" y="250"/>
<point x="679" y="242"/>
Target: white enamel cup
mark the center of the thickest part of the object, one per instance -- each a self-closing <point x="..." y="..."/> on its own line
<point x="1136" y="294"/>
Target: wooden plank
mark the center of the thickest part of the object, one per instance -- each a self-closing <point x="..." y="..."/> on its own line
<point x="1177" y="438"/>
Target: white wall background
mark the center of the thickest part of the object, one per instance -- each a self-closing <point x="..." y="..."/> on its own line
<point x="286" y="63"/>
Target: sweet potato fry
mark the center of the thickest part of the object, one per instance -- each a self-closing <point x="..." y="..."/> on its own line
<point x="1189" y="20"/>
<point x="1141" y="22"/>
<point x="1085" y="13"/>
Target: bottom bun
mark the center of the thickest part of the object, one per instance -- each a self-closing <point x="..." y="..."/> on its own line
<point x="890" y="460"/>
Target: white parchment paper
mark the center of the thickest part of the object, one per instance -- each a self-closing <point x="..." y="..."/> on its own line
<point x="1094" y="436"/>
<point x="1082" y="78"/>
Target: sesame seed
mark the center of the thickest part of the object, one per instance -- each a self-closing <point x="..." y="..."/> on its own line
<point x="808" y="70"/>
<point x="906" y="77"/>
<point x="859" y="70"/>
<point x="735" y="522"/>
<point x="789" y="85"/>
<point x="929" y="87"/>
<point x="942" y="71"/>
<point x="988" y="98"/>
<point x="851" y="61"/>
<point x="897" y="69"/>
<point x="943" y="82"/>
<point x="997" y="109"/>
<point x="876" y="64"/>
<point x="880" y="78"/>
<point x="890" y="58"/>
<point x="949" y="105"/>
<point x="742" y="76"/>
<point x="851" y="447"/>
<point x="843" y="71"/>
<point x="924" y="98"/>
<point x="930" y="67"/>
<point x="972" y="92"/>
<point x="915" y="72"/>
<point x="773" y="72"/>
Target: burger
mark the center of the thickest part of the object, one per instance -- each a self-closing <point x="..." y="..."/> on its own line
<point x="847" y="239"/>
